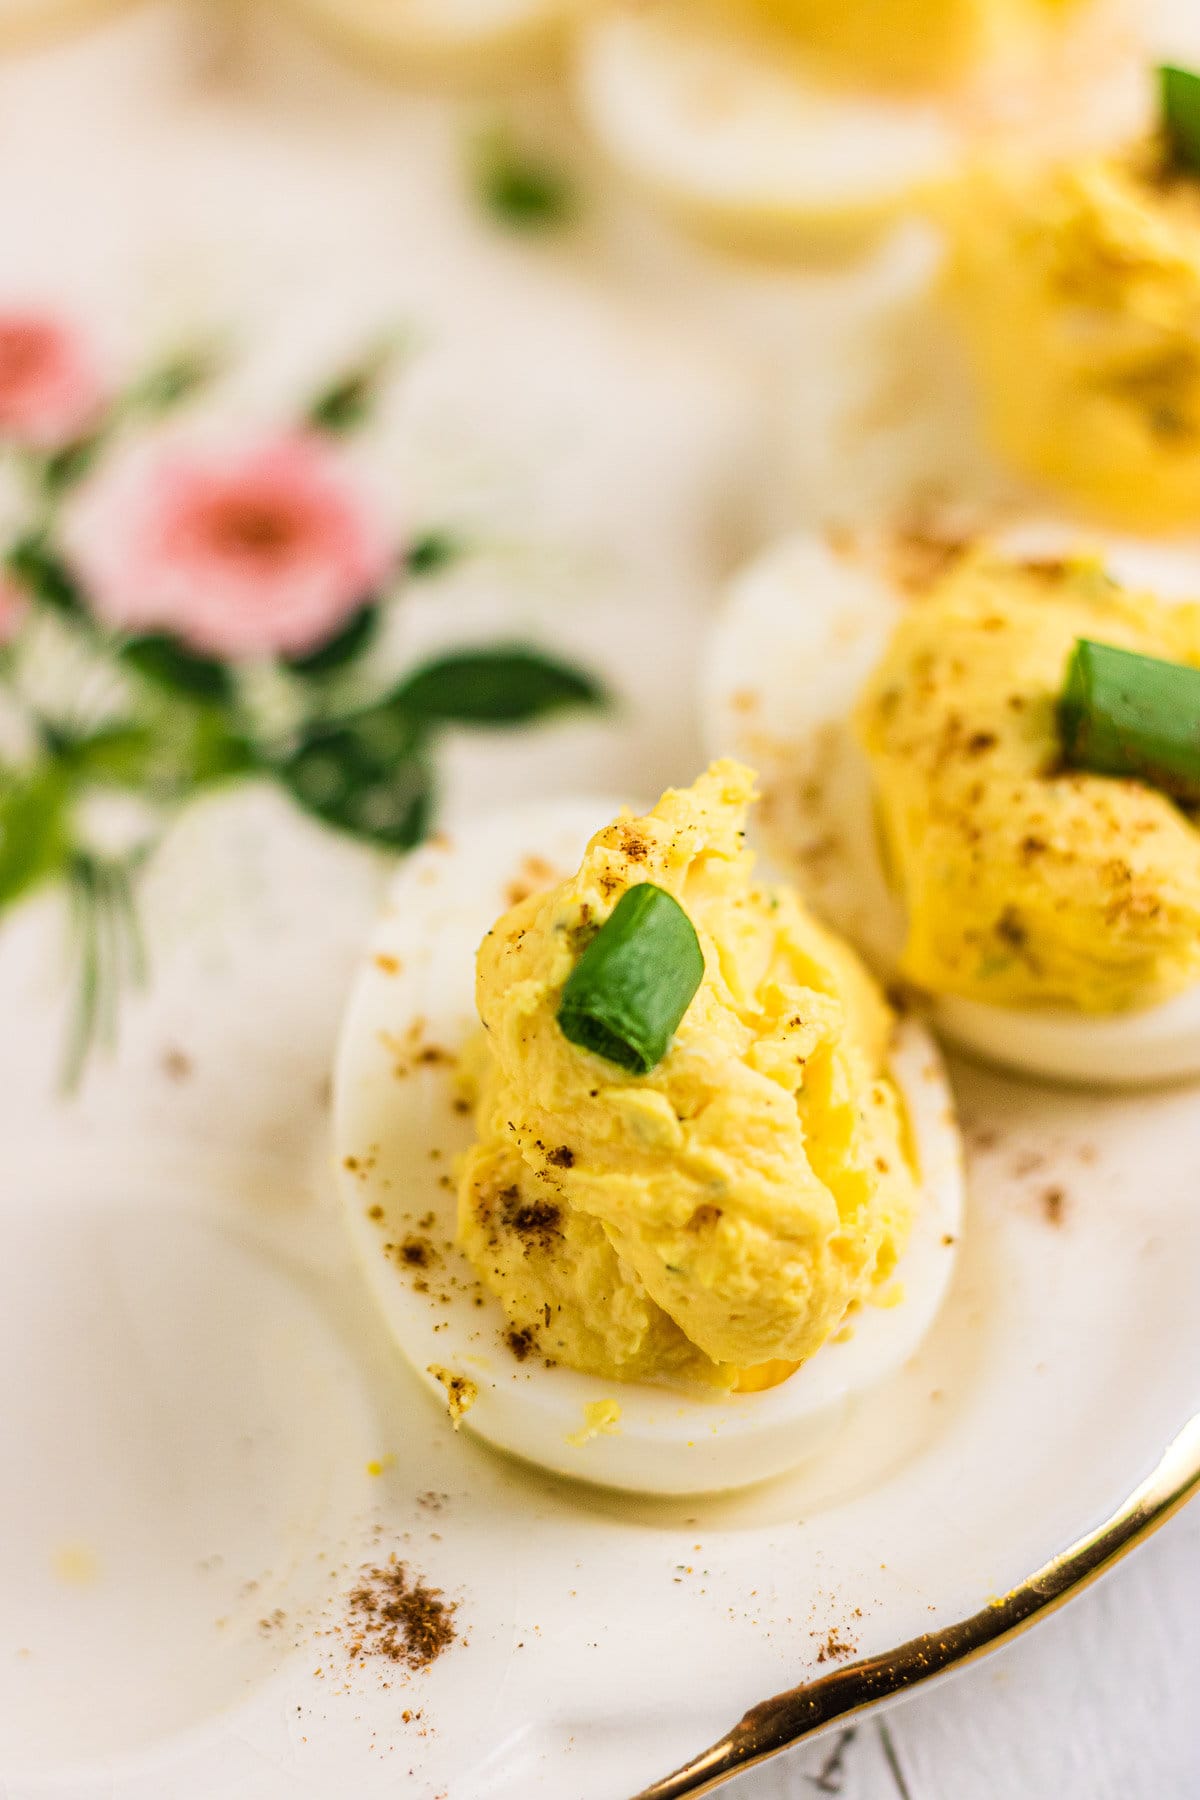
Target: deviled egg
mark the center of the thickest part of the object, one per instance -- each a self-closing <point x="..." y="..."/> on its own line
<point x="773" y="122"/>
<point x="1078" y="292"/>
<point x="646" y="1178"/>
<point x="909" y="705"/>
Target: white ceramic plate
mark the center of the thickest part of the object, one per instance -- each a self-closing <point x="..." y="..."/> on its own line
<point x="195" y="1386"/>
<point x="195" y="1379"/>
<point x="1063" y="1367"/>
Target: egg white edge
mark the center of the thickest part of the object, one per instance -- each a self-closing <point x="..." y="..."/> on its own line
<point x="809" y="602"/>
<point x="448" y="33"/>
<point x="629" y="73"/>
<point x="667" y="1441"/>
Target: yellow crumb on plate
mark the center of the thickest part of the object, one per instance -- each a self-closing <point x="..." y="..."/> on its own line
<point x="461" y="1392"/>
<point x="601" y="1418"/>
<point x="891" y="1295"/>
<point x="77" y="1565"/>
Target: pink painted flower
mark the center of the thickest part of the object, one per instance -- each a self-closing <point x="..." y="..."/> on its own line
<point x="50" y="390"/>
<point x="14" y="604"/>
<point x="258" y="551"/>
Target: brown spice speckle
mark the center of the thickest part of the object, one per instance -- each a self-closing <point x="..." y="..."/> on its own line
<point x="416" y="1252"/>
<point x="1054" y="1205"/>
<point x="521" y="1340"/>
<point x="399" y="1617"/>
<point x="537" y="1221"/>
<point x="534" y="875"/>
<point x="835" y="1647"/>
<point x="412" y="1052"/>
<point x="704" y="1217"/>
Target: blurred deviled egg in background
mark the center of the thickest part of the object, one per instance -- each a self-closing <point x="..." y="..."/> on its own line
<point x="1077" y="290"/>
<point x="475" y="43"/>
<point x="779" y="124"/>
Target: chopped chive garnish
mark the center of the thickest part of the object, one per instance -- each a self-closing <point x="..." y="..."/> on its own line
<point x="520" y="188"/>
<point x="1179" y="91"/>
<point x="1125" y="714"/>
<point x="627" y="993"/>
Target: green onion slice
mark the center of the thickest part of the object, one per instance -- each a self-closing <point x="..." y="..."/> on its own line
<point x="1179" y="92"/>
<point x="1125" y="714"/>
<point x="627" y="993"/>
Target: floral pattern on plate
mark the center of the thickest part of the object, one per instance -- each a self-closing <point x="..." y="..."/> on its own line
<point x="179" y="611"/>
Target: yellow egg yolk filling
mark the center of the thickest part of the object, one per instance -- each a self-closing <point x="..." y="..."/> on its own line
<point x="1025" y="882"/>
<point x="911" y="41"/>
<point x="723" y="1211"/>
<point x="1078" y="290"/>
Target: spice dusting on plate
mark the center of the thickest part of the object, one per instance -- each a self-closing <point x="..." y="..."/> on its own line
<point x="398" y="1616"/>
<point x="1054" y="1205"/>
<point x="835" y="1647"/>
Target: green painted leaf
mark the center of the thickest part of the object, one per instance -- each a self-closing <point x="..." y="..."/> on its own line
<point x="63" y="468"/>
<point x="348" y="402"/>
<point x="365" y="775"/>
<point x="520" y="189"/>
<point x="169" y="383"/>
<point x="118" y="756"/>
<point x="505" y="685"/>
<point x="433" y="552"/>
<point x="206" y="749"/>
<point x="34" y="837"/>
<point x="183" y="749"/>
<point x="168" y="664"/>
<point x="33" y="563"/>
<point x="343" y="648"/>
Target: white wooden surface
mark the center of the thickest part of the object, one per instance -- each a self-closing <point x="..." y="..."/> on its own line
<point x="1097" y="1703"/>
<point x="1100" y="1703"/>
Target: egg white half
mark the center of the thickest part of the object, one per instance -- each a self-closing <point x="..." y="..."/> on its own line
<point x="471" y="40"/>
<point x="800" y="630"/>
<point x="753" y="146"/>
<point x="397" y="1132"/>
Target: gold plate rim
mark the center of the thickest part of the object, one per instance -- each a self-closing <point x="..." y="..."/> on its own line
<point x="801" y="1712"/>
